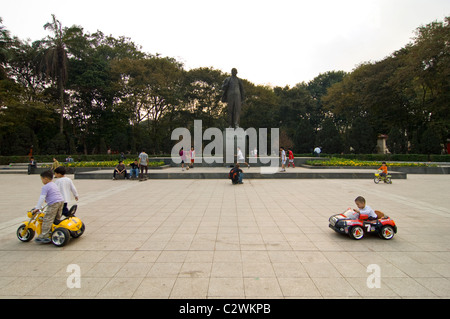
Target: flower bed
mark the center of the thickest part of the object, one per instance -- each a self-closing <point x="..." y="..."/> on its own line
<point x="104" y="164"/>
<point x="335" y="161"/>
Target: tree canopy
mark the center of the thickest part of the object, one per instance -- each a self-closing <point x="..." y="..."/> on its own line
<point x="79" y="92"/>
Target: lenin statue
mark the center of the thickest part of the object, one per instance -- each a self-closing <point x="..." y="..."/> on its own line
<point x="233" y="95"/>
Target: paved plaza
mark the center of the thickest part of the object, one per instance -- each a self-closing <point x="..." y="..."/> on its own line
<point x="267" y="238"/>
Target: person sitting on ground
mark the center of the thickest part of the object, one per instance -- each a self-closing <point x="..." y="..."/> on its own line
<point x="121" y="170"/>
<point x="236" y="175"/>
<point x="365" y="211"/>
<point x="134" y="171"/>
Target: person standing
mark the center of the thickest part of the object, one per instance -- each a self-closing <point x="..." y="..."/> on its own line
<point x="283" y="159"/>
<point x="66" y="188"/>
<point x="317" y="151"/>
<point x="143" y="164"/>
<point x="241" y="158"/>
<point x="291" y="158"/>
<point x="55" y="164"/>
<point x="192" y="156"/>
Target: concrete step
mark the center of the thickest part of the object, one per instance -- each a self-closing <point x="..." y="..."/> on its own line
<point x="251" y="173"/>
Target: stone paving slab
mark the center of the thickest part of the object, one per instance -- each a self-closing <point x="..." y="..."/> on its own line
<point x="210" y="239"/>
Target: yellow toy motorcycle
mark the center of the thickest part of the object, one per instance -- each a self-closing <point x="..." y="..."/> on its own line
<point x="61" y="230"/>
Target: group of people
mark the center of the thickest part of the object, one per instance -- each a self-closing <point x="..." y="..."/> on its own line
<point x="284" y="158"/>
<point x="138" y="168"/>
<point x="56" y="193"/>
<point x="187" y="158"/>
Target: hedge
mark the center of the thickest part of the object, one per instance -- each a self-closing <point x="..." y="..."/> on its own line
<point x="5" y="160"/>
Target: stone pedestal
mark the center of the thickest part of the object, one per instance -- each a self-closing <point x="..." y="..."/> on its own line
<point x="232" y="140"/>
<point x="381" y="144"/>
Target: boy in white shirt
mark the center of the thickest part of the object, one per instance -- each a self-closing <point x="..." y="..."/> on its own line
<point x="364" y="209"/>
<point x="66" y="187"/>
<point x="283" y="159"/>
<point x="241" y="158"/>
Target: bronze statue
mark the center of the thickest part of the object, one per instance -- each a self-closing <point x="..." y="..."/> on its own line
<point x="233" y="95"/>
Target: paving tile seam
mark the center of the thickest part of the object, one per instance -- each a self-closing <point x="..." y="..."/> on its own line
<point x="213" y="218"/>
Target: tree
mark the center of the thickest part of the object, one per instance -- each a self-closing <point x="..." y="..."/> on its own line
<point x="4" y="43"/>
<point x="202" y="96"/>
<point x="304" y="136"/>
<point x="150" y="89"/>
<point x="362" y="137"/>
<point x="55" y="62"/>
<point x="397" y="142"/>
<point x="328" y="138"/>
<point x="94" y="115"/>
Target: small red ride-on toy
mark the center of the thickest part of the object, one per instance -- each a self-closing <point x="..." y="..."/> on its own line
<point x="356" y="225"/>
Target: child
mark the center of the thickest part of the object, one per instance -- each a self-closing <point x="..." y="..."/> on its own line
<point x="55" y="202"/>
<point x="384" y="170"/>
<point x="291" y="158"/>
<point x="134" y="171"/>
<point x="283" y="159"/>
<point x="66" y="188"/>
<point x="364" y="209"/>
<point x="183" y="157"/>
<point x="192" y="156"/>
<point x="241" y="158"/>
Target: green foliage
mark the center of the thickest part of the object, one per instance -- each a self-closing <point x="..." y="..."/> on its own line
<point x="336" y="161"/>
<point x="84" y="93"/>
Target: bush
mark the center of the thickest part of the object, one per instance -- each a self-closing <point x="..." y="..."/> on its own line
<point x="335" y="161"/>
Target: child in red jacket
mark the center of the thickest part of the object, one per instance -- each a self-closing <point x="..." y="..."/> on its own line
<point x="291" y="158"/>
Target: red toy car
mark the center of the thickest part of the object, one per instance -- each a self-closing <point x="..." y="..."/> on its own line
<point x="350" y="222"/>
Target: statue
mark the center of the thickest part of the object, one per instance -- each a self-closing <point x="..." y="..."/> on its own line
<point x="233" y="95"/>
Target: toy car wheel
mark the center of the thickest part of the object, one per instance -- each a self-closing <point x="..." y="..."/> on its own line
<point x="27" y="236"/>
<point x="376" y="180"/>
<point x="60" y="237"/>
<point x="76" y="234"/>
<point x="356" y="232"/>
<point x="387" y="232"/>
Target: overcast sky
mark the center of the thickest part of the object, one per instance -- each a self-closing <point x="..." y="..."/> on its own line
<point x="277" y="43"/>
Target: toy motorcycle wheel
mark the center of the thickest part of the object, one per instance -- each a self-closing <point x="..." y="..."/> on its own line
<point x="356" y="232"/>
<point x="27" y="236"/>
<point x="387" y="232"/>
<point x="60" y="237"/>
<point x="376" y="180"/>
<point x="388" y="180"/>
<point x="76" y="234"/>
